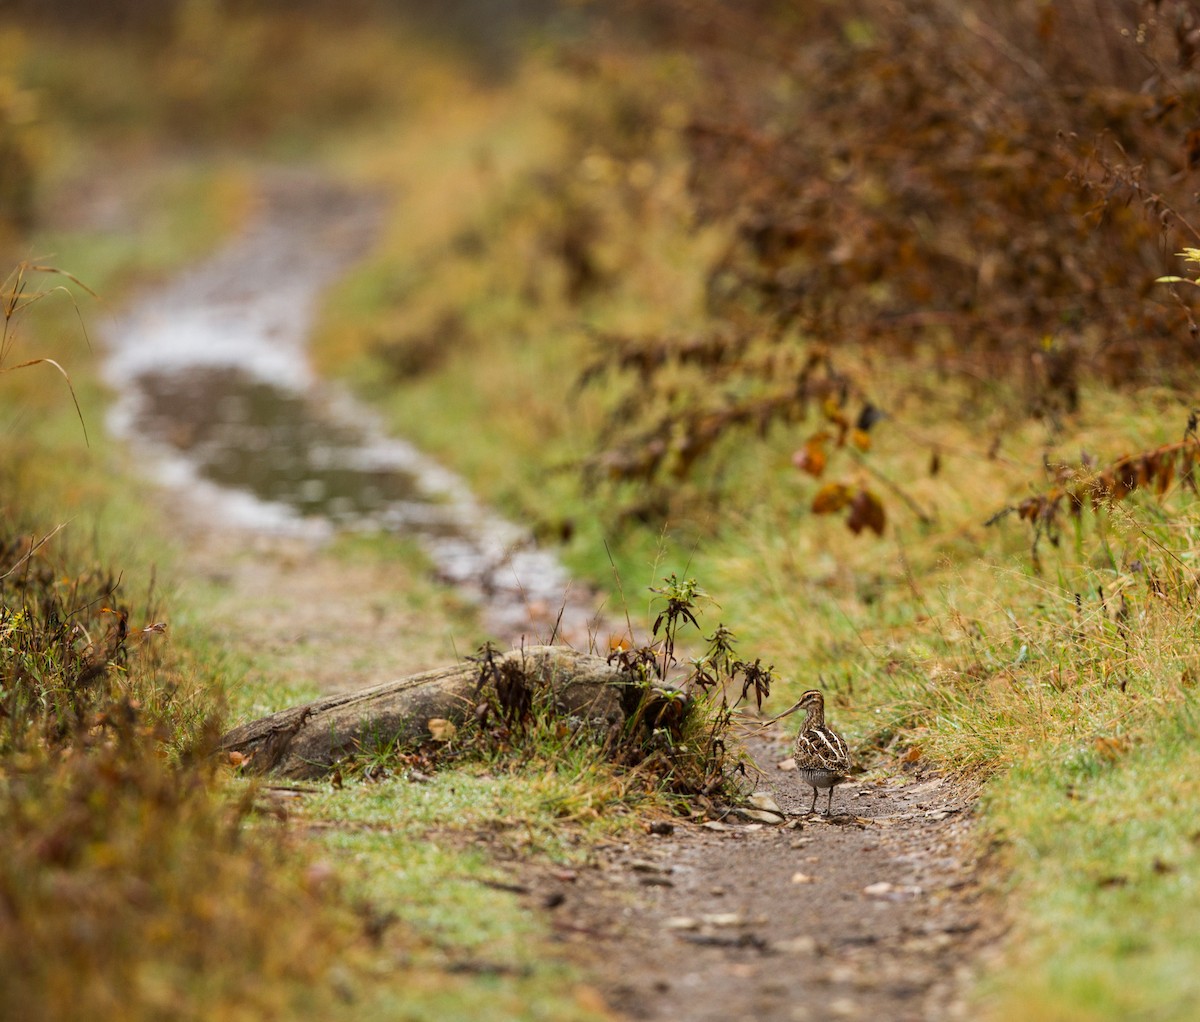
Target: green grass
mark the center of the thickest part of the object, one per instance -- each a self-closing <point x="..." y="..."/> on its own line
<point x="421" y="855"/>
<point x="1107" y="852"/>
<point x="942" y="641"/>
<point x="126" y="861"/>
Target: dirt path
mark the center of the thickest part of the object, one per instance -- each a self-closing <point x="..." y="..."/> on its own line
<point x="874" y="913"/>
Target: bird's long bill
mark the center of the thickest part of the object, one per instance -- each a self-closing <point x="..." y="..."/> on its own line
<point x="767" y="723"/>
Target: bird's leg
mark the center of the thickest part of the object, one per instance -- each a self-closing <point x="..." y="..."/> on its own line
<point x="829" y="803"/>
<point x="813" y="808"/>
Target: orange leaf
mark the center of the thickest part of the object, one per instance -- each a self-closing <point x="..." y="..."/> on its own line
<point x="811" y="458"/>
<point x="1165" y="475"/>
<point x="861" y="439"/>
<point x="1028" y="509"/>
<point x="831" y="498"/>
<point x="1186" y="463"/>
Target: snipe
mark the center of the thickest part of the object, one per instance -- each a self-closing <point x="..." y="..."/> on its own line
<point x="822" y="755"/>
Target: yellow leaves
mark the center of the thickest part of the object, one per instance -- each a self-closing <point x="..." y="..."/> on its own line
<point x="1191" y="255"/>
<point x="441" y="730"/>
<point x="834" y="411"/>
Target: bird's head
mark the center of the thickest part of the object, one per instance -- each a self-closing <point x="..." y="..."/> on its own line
<point x="813" y="703"/>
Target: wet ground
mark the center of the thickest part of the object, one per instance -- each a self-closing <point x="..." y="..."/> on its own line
<point x="215" y="387"/>
<point x="873" y="913"/>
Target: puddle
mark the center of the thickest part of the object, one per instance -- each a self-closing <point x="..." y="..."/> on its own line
<point x="215" y="390"/>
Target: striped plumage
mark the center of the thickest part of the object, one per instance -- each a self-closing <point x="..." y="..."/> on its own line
<point x="822" y="755"/>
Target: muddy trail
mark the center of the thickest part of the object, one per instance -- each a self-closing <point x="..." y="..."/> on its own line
<point x="216" y="392"/>
<point x="874" y="912"/>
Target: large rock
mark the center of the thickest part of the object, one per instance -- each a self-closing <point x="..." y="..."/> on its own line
<point x="306" y="741"/>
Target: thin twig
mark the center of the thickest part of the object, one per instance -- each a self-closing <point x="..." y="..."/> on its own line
<point x="34" y="548"/>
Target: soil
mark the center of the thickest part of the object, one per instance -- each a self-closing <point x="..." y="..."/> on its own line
<point x="873" y="912"/>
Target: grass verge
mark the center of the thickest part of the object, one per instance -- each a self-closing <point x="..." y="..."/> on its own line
<point x="1066" y="680"/>
<point x="138" y="883"/>
<point x="940" y="642"/>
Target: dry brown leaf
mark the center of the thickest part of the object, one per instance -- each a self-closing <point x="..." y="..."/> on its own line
<point x="866" y="512"/>
<point x="831" y="498"/>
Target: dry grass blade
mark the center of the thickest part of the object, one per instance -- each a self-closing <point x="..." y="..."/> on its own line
<point x="66" y="377"/>
<point x="33" y="549"/>
<point x="17" y="299"/>
<point x="41" y="268"/>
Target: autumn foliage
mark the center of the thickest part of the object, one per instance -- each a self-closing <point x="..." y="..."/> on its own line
<point x="980" y="192"/>
<point x="1075" y="488"/>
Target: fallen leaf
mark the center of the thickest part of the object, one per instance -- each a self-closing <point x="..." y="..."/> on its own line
<point x="441" y="730"/>
<point x="760" y="816"/>
<point x="765" y="800"/>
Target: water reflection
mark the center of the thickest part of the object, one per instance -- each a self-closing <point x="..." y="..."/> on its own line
<point x="246" y="433"/>
<point x="214" y="385"/>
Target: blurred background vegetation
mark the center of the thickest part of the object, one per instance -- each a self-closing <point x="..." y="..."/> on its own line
<point x="710" y="282"/>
